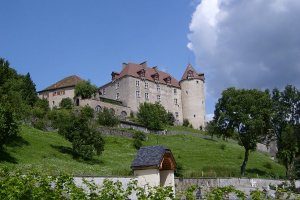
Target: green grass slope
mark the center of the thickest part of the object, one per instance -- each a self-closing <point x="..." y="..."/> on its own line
<point x="50" y="153"/>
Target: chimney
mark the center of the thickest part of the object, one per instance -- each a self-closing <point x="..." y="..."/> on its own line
<point x="144" y="64"/>
<point x="124" y="65"/>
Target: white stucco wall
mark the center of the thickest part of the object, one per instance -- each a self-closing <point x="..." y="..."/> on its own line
<point x="127" y="94"/>
<point x="147" y="176"/>
<point x="193" y="102"/>
<point x="167" y="178"/>
<point x="54" y="98"/>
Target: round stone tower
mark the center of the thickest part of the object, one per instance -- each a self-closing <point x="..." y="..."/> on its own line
<point x="192" y="97"/>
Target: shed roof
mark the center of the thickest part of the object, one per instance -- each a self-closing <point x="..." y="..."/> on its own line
<point x="151" y="157"/>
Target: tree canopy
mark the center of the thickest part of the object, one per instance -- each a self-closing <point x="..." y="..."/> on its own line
<point x="286" y="125"/>
<point x="153" y="116"/>
<point x="85" y="89"/>
<point x="247" y="113"/>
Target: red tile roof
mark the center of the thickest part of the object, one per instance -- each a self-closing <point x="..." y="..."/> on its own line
<point x="66" y="82"/>
<point x="190" y="73"/>
<point x="133" y="69"/>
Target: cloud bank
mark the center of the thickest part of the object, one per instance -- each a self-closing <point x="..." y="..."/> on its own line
<point x="246" y="44"/>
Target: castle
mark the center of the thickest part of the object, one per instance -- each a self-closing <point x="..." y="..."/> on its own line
<point x="138" y="83"/>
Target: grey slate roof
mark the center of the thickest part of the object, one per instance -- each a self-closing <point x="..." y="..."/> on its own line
<point x="150" y="156"/>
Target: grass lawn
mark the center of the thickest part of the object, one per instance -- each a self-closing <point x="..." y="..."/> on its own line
<point x="50" y="153"/>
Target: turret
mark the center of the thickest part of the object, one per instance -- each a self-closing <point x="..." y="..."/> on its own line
<point x="192" y="97"/>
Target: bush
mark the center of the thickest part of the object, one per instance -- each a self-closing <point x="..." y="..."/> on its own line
<point x="138" y="137"/>
<point x="8" y="126"/>
<point x="107" y="118"/>
<point x="87" y="112"/>
<point x="86" y="141"/>
<point x="170" y="119"/>
<point x="66" y="103"/>
<point x="59" y="117"/>
<point x="186" y="123"/>
<point x="153" y="116"/>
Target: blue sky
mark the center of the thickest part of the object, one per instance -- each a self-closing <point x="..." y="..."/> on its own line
<point x="54" y="39"/>
<point x="240" y="43"/>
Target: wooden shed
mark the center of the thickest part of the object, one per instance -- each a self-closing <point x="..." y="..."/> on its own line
<point x="155" y="166"/>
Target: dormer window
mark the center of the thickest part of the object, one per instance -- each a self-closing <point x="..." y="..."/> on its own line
<point x="190" y="74"/>
<point x="168" y="80"/>
<point x="141" y="73"/>
<point x="155" y="77"/>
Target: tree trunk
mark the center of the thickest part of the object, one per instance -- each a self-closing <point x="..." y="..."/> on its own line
<point x="243" y="167"/>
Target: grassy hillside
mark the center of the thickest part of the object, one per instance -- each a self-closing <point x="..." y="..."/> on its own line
<point x="50" y="153"/>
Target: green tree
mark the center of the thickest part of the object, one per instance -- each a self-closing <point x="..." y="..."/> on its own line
<point x="28" y="90"/>
<point x="86" y="141"/>
<point x="138" y="138"/>
<point x="85" y="89"/>
<point x="170" y="119"/>
<point x="153" y="116"/>
<point x="8" y="125"/>
<point x="248" y="112"/>
<point x="66" y="103"/>
<point x="107" y="118"/>
<point x="285" y="122"/>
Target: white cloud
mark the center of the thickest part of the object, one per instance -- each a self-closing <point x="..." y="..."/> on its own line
<point x="248" y="44"/>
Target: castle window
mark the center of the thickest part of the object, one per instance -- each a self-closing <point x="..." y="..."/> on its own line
<point x="197" y="82"/>
<point x="103" y="91"/>
<point x="54" y="93"/>
<point x="117" y="85"/>
<point x="146" y="85"/>
<point x="194" y="115"/>
<point x="118" y="96"/>
<point x="98" y="108"/>
<point x="158" y="98"/>
<point x="137" y="94"/>
<point x="176" y="114"/>
<point x="175" y="91"/>
<point x="53" y="103"/>
<point x="137" y="83"/>
<point x="158" y="87"/>
<point x="186" y="92"/>
<point x="146" y="96"/>
<point x="175" y="101"/>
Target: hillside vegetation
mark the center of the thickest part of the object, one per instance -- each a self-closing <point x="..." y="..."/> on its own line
<point x="51" y="153"/>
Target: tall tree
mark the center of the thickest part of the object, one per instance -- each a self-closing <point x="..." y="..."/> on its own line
<point x="85" y="89"/>
<point x="285" y="122"/>
<point x="153" y="116"/>
<point x="246" y="112"/>
<point x="28" y="90"/>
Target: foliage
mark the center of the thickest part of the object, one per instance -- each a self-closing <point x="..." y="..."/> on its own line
<point x="107" y="118"/>
<point x="285" y="122"/>
<point x="138" y="138"/>
<point x="86" y="141"/>
<point x="220" y="193"/>
<point x="85" y="89"/>
<point x="212" y="128"/>
<point x="14" y="185"/>
<point x="153" y="116"/>
<point x="247" y="112"/>
<point x="59" y="117"/>
<point x="8" y="126"/>
<point x="186" y="123"/>
<point x="28" y="90"/>
<point x="170" y="119"/>
<point x="87" y="112"/>
<point x="66" y="103"/>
